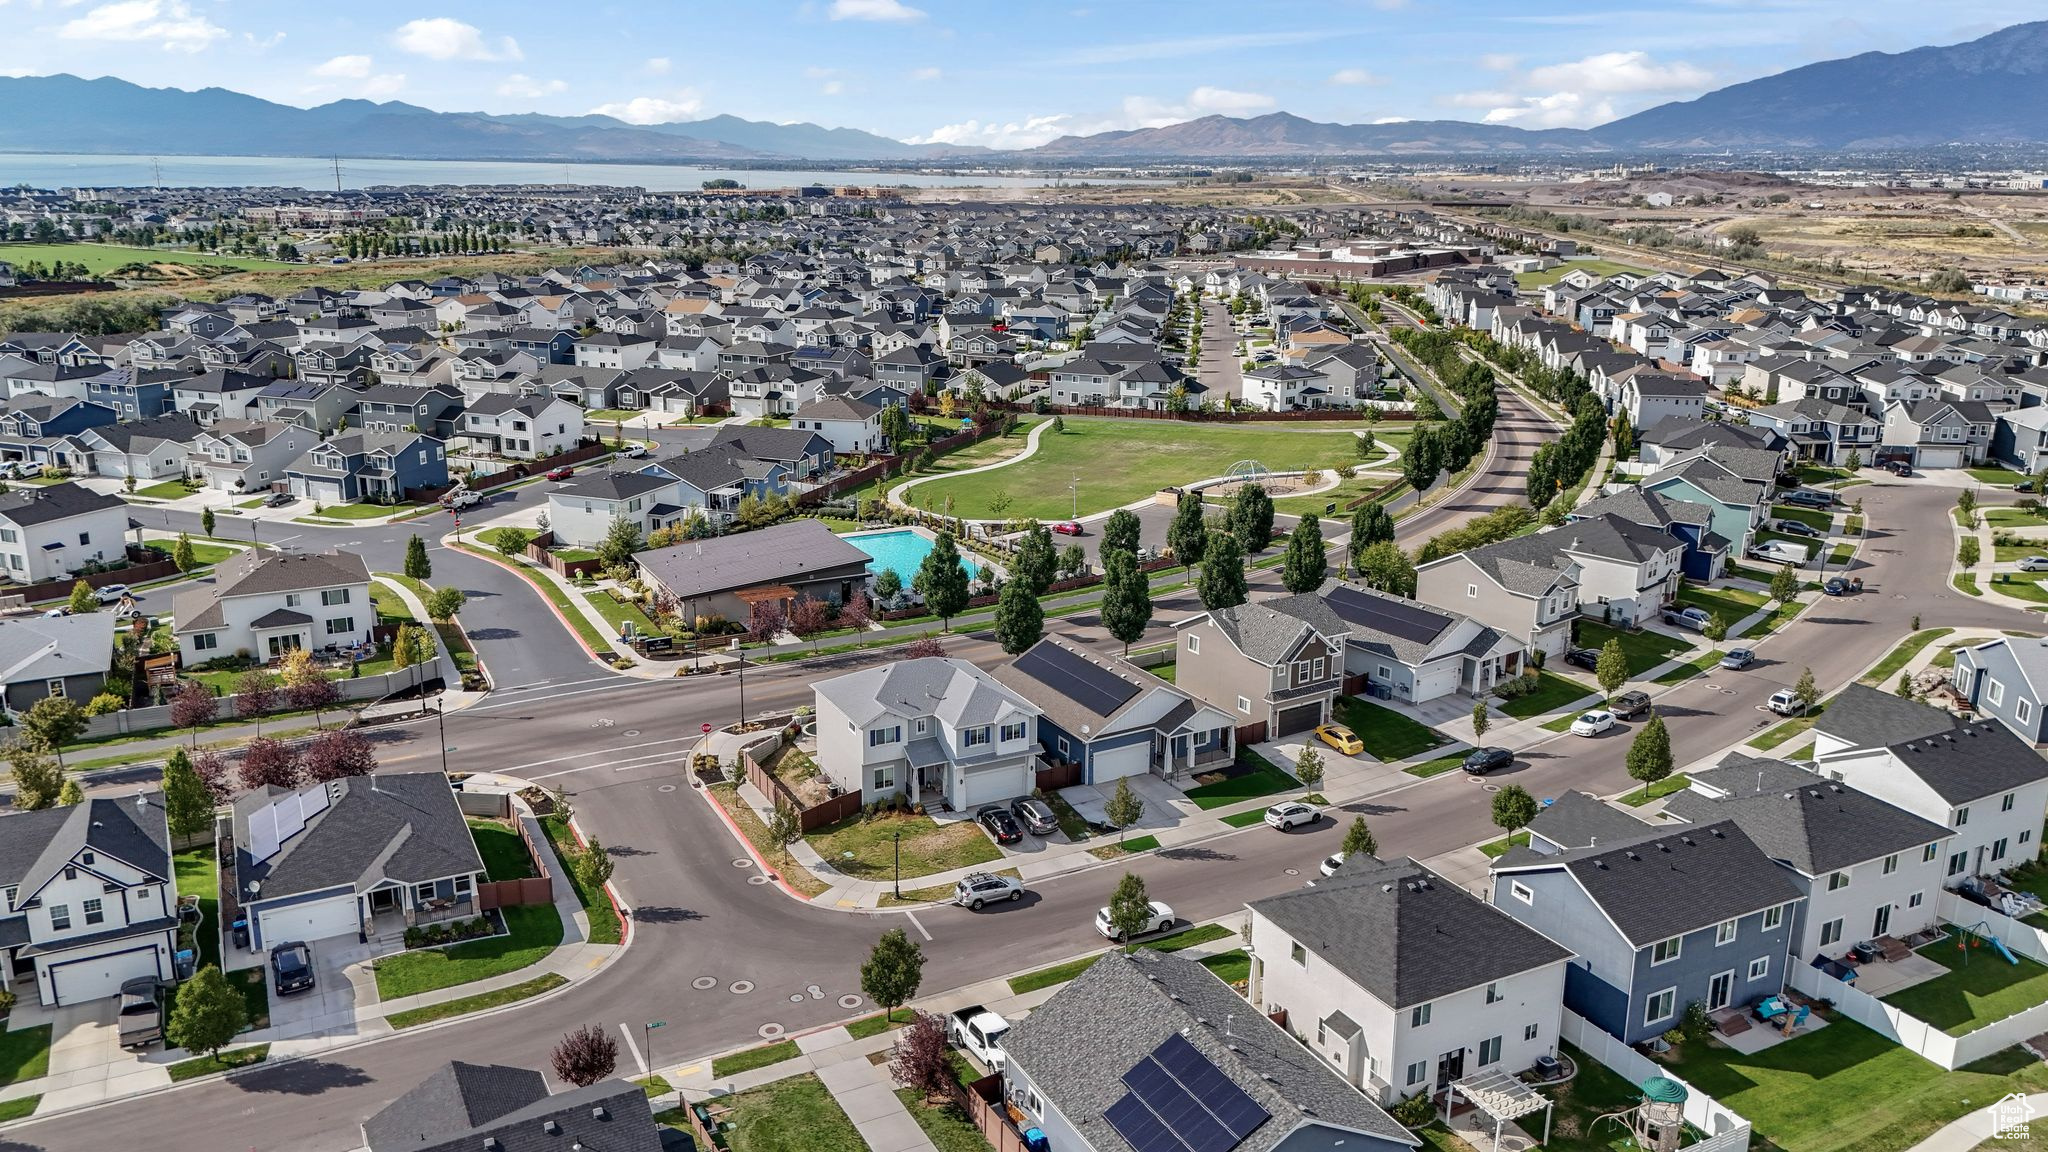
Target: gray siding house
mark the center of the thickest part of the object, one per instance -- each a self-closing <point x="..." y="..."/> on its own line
<point x="64" y="656"/>
<point x="1262" y="666"/>
<point x="2006" y="679"/>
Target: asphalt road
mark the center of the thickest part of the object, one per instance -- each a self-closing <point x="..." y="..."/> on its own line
<point x="1218" y="369"/>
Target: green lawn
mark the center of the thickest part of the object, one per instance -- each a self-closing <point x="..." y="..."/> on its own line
<point x="1245" y="819"/>
<point x="199" y="875"/>
<point x="1812" y="517"/>
<point x="203" y="554"/>
<point x="2008" y="553"/>
<point x="1119" y="461"/>
<point x="793" y="1115"/>
<point x="617" y="415"/>
<point x="1980" y="988"/>
<point x="168" y="490"/>
<point x="1966" y="582"/>
<point x="535" y="931"/>
<point x="948" y="1128"/>
<point x="1435" y="767"/>
<point x="1552" y="692"/>
<point x="1231" y="967"/>
<point x="462" y="1006"/>
<point x="365" y="511"/>
<point x="1498" y="848"/>
<point x="2022" y="585"/>
<point x="1638" y="797"/>
<point x="1844" y="1088"/>
<point x="1544" y="279"/>
<point x="20" y="1108"/>
<point x="1061" y="973"/>
<point x="1386" y="734"/>
<point x="24" y="1054"/>
<point x="100" y="259"/>
<point x="391" y="607"/>
<point x="604" y="919"/>
<point x="1733" y="604"/>
<point x="752" y="1058"/>
<point x="504" y="853"/>
<point x="864" y="848"/>
<point x="1881" y="674"/>
<point x="1262" y="779"/>
<point x="1796" y="726"/>
<point x="875" y="1025"/>
<point x="2005" y="476"/>
<point x="1131" y="845"/>
<point x="2013" y="518"/>
<point x="1645" y="649"/>
<point x="1596" y="1090"/>
<point x="227" y="1061"/>
<point x="619" y="613"/>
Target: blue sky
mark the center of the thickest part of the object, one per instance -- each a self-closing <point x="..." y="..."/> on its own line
<point x="970" y="72"/>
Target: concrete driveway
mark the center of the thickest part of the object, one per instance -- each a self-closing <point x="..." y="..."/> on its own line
<point x="342" y="982"/>
<point x="88" y="1064"/>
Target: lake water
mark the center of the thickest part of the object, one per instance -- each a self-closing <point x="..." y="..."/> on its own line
<point x="72" y="171"/>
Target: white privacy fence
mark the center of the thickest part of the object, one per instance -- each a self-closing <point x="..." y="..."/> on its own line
<point x="1725" y="1130"/>
<point x="1924" y="1039"/>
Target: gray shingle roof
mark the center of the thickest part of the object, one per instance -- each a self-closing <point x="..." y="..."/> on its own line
<point x="1809" y="822"/>
<point x="33" y="845"/>
<point x="1077" y="1046"/>
<point x="32" y="505"/>
<point x="955" y="691"/>
<point x="792" y="551"/>
<point x="1579" y="820"/>
<point x="1671" y="880"/>
<point x="1961" y="760"/>
<point x="1406" y="935"/>
<point x="1267" y="635"/>
<point x="461" y="1105"/>
<point x="402" y="826"/>
<point x="1531" y="565"/>
<point x="41" y="648"/>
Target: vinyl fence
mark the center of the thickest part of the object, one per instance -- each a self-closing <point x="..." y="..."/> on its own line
<point x="157" y="717"/>
<point x="1725" y="1130"/>
<point x="1914" y="1035"/>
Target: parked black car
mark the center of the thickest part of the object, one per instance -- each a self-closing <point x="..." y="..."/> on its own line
<point x="1483" y="760"/>
<point x="1034" y="815"/>
<point x="1587" y="658"/>
<point x="291" y="968"/>
<point x="999" y="824"/>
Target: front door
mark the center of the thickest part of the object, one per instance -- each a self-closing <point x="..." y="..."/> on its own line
<point x="1881" y="925"/>
<point x="383" y="900"/>
<point x="1450" y="1068"/>
<point x="1720" y="991"/>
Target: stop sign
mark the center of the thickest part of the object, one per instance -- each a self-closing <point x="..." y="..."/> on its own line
<point x="707" y="729"/>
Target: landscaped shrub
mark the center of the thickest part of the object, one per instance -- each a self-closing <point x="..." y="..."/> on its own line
<point x="1416" y="1111"/>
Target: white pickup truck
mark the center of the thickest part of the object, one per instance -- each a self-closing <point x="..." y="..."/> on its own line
<point x="461" y="498"/>
<point x="979" y="1032"/>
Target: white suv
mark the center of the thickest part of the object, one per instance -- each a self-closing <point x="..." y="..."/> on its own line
<point x="978" y="888"/>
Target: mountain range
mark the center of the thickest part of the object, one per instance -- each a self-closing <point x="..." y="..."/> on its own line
<point x="1986" y="91"/>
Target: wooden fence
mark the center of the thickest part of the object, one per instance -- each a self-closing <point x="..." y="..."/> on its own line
<point x="1058" y="775"/>
<point x="537" y="550"/>
<point x="144" y="565"/>
<point x="536" y="889"/>
<point x="590" y="449"/>
<point x="756" y="757"/>
<point x="982" y="1101"/>
<point x="1249" y="734"/>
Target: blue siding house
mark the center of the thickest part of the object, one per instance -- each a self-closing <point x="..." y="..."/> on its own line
<point x="1690" y="522"/>
<point x="1670" y="917"/>
<point x="1113" y="718"/>
<point x="136" y="393"/>
<point x="377" y="466"/>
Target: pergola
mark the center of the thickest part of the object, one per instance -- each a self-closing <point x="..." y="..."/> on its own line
<point x="1501" y="1095"/>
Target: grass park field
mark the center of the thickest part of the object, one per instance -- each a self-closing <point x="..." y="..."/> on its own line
<point x="1549" y="276"/>
<point x="1119" y="461"/>
<point x="100" y="259"/>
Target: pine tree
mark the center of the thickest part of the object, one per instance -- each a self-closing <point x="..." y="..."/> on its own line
<point x="1358" y="840"/>
<point x="1020" y="621"/>
<point x="418" y="565"/>
<point x="1188" y="535"/>
<point x="1126" y="597"/>
<point x="1307" y="563"/>
<point x="1222" y="583"/>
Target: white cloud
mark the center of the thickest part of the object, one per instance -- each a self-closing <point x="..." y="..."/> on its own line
<point x="1499" y="61"/>
<point x="1483" y="99"/>
<point x="1027" y="133"/>
<point x="1185" y="46"/>
<point x="1557" y="110"/>
<point x="656" y="66"/>
<point x="170" y="23"/>
<point x="927" y="74"/>
<point x="680" y="105"/>
<point x="831" y="88"/>
<point x="346" y="67"/>
<point x="1620" y="72"/>
<point x="888" y="11"/>
<point x="440" y="38"/>
<point x="382" y="86"/>
<point x="816" y="73"/>
<point x="523" y="86"/>
<point x="1206" y="100"/>
<point x="1356" y="76"/>
<point x="1392" y="120"/>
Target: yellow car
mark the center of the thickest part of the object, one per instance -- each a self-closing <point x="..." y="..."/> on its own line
<point x="1341" y="738"/>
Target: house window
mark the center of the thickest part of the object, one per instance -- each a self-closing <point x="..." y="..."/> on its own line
<point x="1320" y="668"/>
<point x="885" y="779"/>
<point x="2005" y="803"/>
<point x="1493" y="995"/>
<point x="1995" y="691"/>
<point x="1419" y="1017"/>
<point x="1998" y="848"/>
<point x="1665" y="951"/>
<point x="205" y="641"/>
<point x="922" y="725"/>
<point x="1759" y="968"/>
<point x="1830" y="932"/>
<point x="1928" y="853"/>
<point x="1489" y="1051"/>
<point x="1298" y="954"/>
<point x="291" y="599"/>
<point x="422" y="892"/>
<point x="1012" y="732"/>
<point x="970" y="737"/>
<point x="85" y="537"/>
<point x="1958" y="863"/>
<point x="1472" y="590"/>
<point x="1913" y="901"/>
<point x="1724" y="933"/>
<point x="1244" y="705"/>
<point x="880" y="736"/>
<point x="95" y="912"/>
<point x="7" y="899"/>
<point x="333" y="596"/>
<point x="462" y="885"/>
<point x="1520" y="891"/>
<point x="1529" y="1033"/>
<point x="2022" y="711"/>
<point x="1662" y="1006"/>
<point x="60" y="917"/>
<point x="341" y="626"/>
<point x="1417" y="1071"/>
<point x="54" y="688"/>
<point x="1837" y="881"/>
<point x="1194" y="645"/>
<point x="1064" y="747"/>
<point x="1962" y="817"/>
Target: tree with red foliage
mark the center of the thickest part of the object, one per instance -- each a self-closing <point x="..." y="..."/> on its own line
<point x="339" y="753"/>
<point x="922" y="647"/>
<point x="213" y="772"/>
<point x="585" y="1056"/>
<point x="192" y="705"/>
<point x="765" y="624"/>
<point x="255" y="695"/>
<point x="807" y="618"/>
<point x="857" y="612"/>
<point x="921" y="1060"/>
<point x="269" y="761"/>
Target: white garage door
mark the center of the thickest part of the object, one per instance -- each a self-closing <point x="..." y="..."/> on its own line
<point x="316" y="920"/>
<point x="1941" y="457"/>
<point x="1439" y="679"/>
<point x="992" y="786"/>
<point x="77" y="981"/>
<point x="1114" y="764"/>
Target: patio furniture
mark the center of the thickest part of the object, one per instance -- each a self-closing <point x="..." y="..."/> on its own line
<point x="1782" y="1012"/>
<point x="1866" y="951"/>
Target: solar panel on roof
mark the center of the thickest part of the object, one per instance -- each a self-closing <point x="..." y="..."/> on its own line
<point x="1403" y="621"/>
<point x="1181" y="1102"/>
<point x="1077" y="678"/>
<point x="1139" y="1128"/>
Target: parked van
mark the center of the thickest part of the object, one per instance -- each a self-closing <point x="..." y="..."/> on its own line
<point x="1782" y="552"/>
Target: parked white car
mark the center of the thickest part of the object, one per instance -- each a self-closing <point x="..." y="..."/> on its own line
<point x="1781" y="552"/>
<point x="1786" y="703"/>
<point x="1592" y="723"/>
<point x="1331" y="863"/>
<point x="2034" y="564"/>
<point x="1292" y="814"/>
<point x="110" y="593"/>
<point x="1160" y="920"/>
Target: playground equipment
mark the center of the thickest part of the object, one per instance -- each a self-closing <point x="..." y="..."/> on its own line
<point x="1977" y="936"/>
<point x="1658" y="1119"/>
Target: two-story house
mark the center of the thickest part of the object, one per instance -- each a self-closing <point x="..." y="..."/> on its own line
<point x="246" y="455"/>
<point x="522" y="427"/>
<point x="1526" y="588"/>
<point x="321" y="407"/>
<point x="53" y="530"/>
<point x="147" y="450"/>
<point x="267" y="604"/>
<point x="87" y="899"/>
<point x="935" y="729"/>
<point x="1677" y="916"/>
<point x="1974" y="777"/>
<point x="435" y="409"/>
<point x="1269" y="669"/>
<point x="1404" y="982"/>
<point x="221" y="394"/>
<point x="1287" y="387"/>
<point x="1822" y="430"/>
<point x="1868" y="869"/>
<point x="2006" y="678"/>
<point x="852" y="426"/>
<point x="381" y="466"/>
<point x="63" y="656"/>
<point x="1113" y="718"/>
<point x="1938" y="433"/>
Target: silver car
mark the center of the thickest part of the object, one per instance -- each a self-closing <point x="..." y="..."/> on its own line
<point x="2034" y="564"/>
<point x="979" y="888"/>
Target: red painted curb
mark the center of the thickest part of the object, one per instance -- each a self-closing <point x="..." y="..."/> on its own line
<point x="618" y="909"/>
<point x="732" y="826"/>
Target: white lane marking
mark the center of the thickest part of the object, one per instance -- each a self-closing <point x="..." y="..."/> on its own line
<point x="602" y="751"/>
<point x="525" y="701"/>
<point x="655" y="760"/>
<point x="918" y="924"/>
<point x="633" y="1048"/>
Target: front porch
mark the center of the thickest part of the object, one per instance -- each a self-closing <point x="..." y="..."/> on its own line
<point x="393" y="908"/>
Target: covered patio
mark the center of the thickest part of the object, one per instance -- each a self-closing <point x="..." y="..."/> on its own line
<point x="1503" y="1098"/>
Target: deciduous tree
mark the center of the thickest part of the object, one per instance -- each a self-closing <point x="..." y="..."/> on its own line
<point x="418" y="564"/>
<point x="1251" y="518"/>
<point x="1513" y="807"/>
<point x="942" y="580"/>
<point x="924" y="647"/>
<point x="206" y="522"/>
<point x="1649" y="754"/>
<point x="444" y="603"/>
<point x="1611" y="669"/>
<point x="1308" y="767"/>
<point x="255" y="695"/>
<point x="593" y="866"/>
<point x="181" y="554"/>
<point x="1370" y="525"/>
<point x="893" y="970"/>
<point x="1121" y="530"/>
<point x="1784" y="585"/>
<point x="1385" y="567"/>
<point x="921" y="1061"/>
<point x="1020" y="621"/>
<point x="1806" y="690"/>
<point x="340" y="753"/>
<point x="1124" y="807"/>
<point x="188" y="806"/>
<point x="585" y="1056"/>
<point x="1130" y="908"/>
<point x="1480" y="720"/>
<point x="193" y="704"/>
<point x="207" y="1013"/>
<point x="1036" y="560"/>
<point x="214" y="771"/>
<point x="38" y="778"/>
<point x="1188" y="535"/>
<point x="52" y="723"/>
<point x="1126" y="597"/>
<point x="1222" y="583"/>
<point x="1307" y="562"/>
<point x="808" y="617"/>
<point x="83" y="599"/>
<point x="269" y="761"/>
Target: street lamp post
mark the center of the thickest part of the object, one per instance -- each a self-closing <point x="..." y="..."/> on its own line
<point x="897" y="836"/>
<point x="441" y="718"/>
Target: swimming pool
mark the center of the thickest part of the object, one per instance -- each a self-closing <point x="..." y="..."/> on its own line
<point x="903" y="550"/>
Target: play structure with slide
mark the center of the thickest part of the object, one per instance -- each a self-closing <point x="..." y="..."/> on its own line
<point x="1977" y="936"/>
